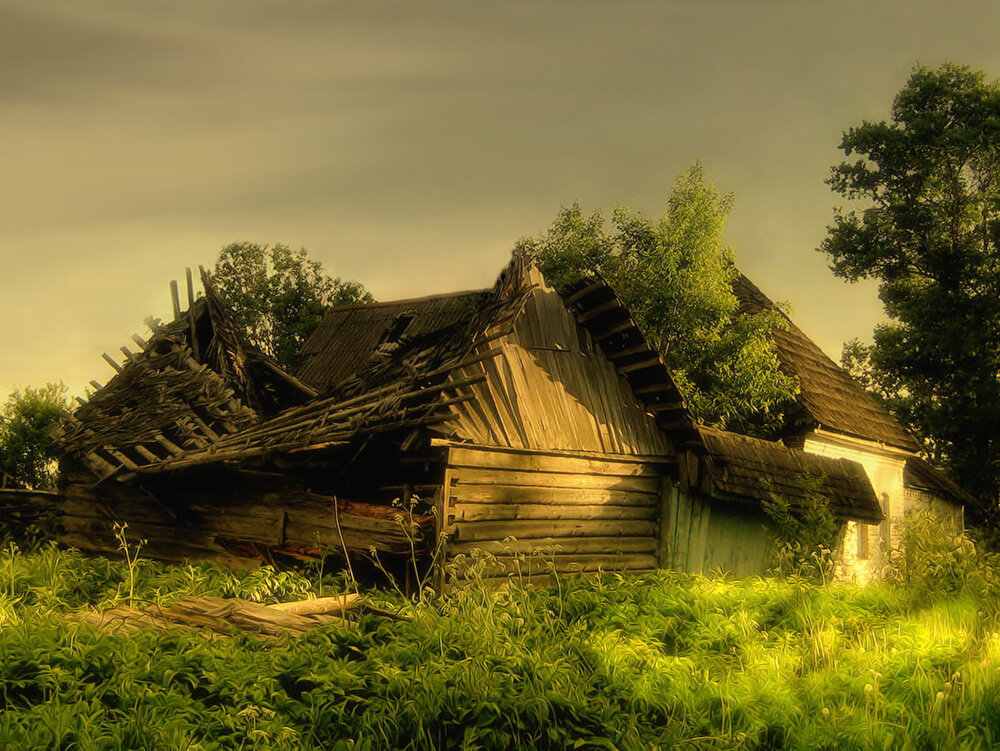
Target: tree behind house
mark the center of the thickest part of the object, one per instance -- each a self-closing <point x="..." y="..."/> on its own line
<point x="927" y="227"/>
<point x="279" y="295"/>
<point x="26" y="458"/>
<point x="676" y="274"/>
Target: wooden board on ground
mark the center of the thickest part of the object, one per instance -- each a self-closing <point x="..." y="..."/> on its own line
<point x="227" y="616"/>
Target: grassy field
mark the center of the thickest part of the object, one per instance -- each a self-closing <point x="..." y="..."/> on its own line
<point x="612" y="662"/>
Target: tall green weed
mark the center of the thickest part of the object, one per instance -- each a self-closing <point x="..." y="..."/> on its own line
<point x="661" y="660"/>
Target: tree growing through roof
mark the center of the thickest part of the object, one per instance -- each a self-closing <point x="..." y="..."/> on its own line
<point x="279" y="295"/>
<point x="676" y="274"/>
<point x="26" y="457"/>
<point x="926" y="187"/>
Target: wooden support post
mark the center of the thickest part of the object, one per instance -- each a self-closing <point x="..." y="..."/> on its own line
<point x="175" y="299"/>
<point x="190" y="288"/>
<point x="139" y="340"/>
<point x="668" y="502"/>
<point x="97" y="386"/>
<point x="127" y="352"/>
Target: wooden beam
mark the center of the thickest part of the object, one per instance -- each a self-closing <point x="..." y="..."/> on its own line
<point x="171" y="447"/>
<point x="112" y="362"/>
<point x="140" y="341"/>
<point x="97" y="386"/>
<point x="654" y="388"/>
<point x="612" y="304"/>
<point x="175" y="299"/>
<point x="582" y="293"/>
<point x="122" y="459"/>
<point x="640" y="365"/>
<point x="127" y="352"/>
<point x="628" y="351"/>
<point x="612" y="330"/>
<point x="195" y="347"/>
<point x="665" y="407"/>
<point x="146" y="454"/>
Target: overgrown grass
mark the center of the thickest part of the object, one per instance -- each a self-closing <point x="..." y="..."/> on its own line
<point x="657" y="661"/>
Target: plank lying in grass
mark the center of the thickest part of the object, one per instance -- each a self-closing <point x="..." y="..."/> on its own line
<point x="226" y="616"/>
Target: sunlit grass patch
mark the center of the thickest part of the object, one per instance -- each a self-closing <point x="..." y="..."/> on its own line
<point x="608" y="661"/>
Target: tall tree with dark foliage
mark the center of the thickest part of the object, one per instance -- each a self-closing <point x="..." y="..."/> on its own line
<point x="924" y="221"/>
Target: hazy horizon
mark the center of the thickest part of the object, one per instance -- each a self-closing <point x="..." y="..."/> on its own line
<point x="409" y="145"/>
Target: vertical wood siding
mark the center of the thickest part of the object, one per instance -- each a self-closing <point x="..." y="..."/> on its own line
<point x="551" y="388"/>
<point x="699" y="535"/>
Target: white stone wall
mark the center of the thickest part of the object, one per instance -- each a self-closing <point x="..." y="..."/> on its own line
<point x="864" y="550"/>
<point x="884" y="466"/>
<point x="951" y="514"/>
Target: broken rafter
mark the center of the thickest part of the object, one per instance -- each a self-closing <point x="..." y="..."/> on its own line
<point x="112" y="362"/>
<point x="175" y="299"/>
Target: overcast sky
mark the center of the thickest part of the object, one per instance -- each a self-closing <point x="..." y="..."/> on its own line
<point x="408" y="145"/>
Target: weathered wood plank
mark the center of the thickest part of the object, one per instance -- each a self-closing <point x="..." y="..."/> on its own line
<point x="560" y="545"/>
<point x="568" y="564"/>
<point x="476" y="476"/>
<point x="537" y="462"/>
<point x="532" y="494"/>
<point x="468" y="512"/>
<point x="528" y="529"/>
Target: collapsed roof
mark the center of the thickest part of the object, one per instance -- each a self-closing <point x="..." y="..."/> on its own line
<point x="193" y="382"/>
<point x="198" y="395"/>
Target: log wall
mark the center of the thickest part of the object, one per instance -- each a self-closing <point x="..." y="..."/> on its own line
<point x="551" y="388"/>
<point x="238" y="525"/>
<point x="582" y="512"/>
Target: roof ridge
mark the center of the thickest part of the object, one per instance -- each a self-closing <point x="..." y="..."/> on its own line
<point x="409" y="300"/>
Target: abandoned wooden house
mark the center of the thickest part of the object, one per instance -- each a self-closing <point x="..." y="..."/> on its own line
<point x="507" y="420"/>
<point x="836" y="417"/>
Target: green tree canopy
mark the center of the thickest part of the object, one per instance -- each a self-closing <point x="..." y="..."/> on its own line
<point x="924" y="220"/>
<point x="676" y="274"/>
<point x="279" y="295"/>
<point x="26" y="457"/>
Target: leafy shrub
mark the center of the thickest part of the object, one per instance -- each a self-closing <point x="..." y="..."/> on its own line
<point x="805" y="533"/>
<point x="934" y="559"/>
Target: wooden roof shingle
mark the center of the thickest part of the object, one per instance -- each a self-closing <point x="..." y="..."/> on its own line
<point x="752" y="469"/>
<point x="829" y="398"/>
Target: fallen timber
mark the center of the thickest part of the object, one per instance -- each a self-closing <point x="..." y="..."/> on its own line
<point x="219" y="616"/>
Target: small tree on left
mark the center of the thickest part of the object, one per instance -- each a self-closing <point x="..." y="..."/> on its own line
<point x="27" y="459"/>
